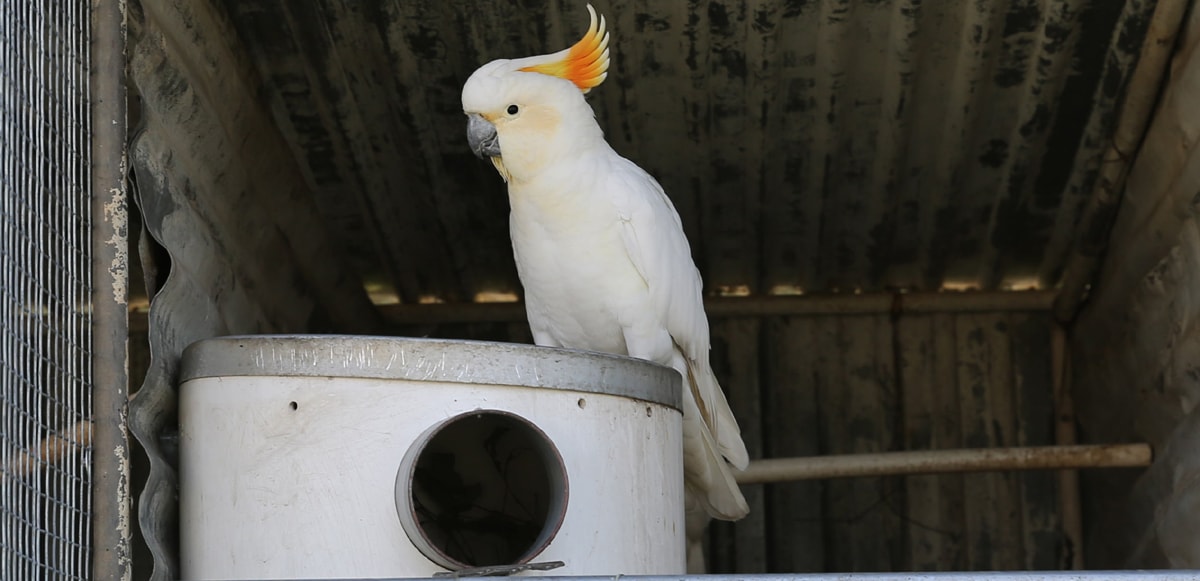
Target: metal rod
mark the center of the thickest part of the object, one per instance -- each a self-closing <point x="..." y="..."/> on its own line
<point x="1069" y="504"/>
<point x="758" y="306"/>
<point x="1100" y="210"/>
<point x="110" y="303"/>
<point x="941" y="461"/>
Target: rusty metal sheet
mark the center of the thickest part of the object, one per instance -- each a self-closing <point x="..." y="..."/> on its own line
<point x="822" y="145"/>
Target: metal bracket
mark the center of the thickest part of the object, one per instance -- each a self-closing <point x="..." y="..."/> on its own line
<point x="500" y="570"/>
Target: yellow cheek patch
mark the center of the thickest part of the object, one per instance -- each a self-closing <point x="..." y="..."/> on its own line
<point x="541" y="119"/>
<point x="585" y="63"/>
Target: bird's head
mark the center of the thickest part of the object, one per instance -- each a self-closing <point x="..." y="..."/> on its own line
<point x="525" y="113"/>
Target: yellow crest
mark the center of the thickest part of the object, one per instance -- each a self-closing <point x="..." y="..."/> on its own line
<point x="585" y="63"/>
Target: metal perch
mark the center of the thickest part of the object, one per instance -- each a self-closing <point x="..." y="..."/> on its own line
<point x="941" y="461"/>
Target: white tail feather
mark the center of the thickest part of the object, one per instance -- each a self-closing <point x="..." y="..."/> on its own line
<point x="707" y="460"/>
<point x="721" y="422"/>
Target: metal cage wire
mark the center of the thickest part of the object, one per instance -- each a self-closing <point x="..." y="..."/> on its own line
<point x="45" y="280"/>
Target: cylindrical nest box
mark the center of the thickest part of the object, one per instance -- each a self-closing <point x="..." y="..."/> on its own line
<point x="337" y="456"/>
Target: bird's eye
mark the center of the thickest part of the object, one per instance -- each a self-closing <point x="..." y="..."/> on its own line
<point x="512" y="109"/>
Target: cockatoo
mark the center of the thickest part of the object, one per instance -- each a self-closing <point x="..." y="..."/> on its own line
<point x="601" y="251"/>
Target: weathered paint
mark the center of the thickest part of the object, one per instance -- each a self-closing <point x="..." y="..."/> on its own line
<point x="116" y="213"/>
<point x="111" y="538"/>
<point x="825" y="145"/>
<point x="1135" y="349"/>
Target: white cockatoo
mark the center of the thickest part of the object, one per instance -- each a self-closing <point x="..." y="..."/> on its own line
<point x="601" y="251"/>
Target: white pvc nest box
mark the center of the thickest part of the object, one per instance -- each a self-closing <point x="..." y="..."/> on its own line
<point x="327" y="457"/>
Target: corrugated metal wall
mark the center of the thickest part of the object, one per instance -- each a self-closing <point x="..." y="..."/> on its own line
<point x="813" y="385"/>
<point x="820" y="145"/>
<point x="846" y="384"/>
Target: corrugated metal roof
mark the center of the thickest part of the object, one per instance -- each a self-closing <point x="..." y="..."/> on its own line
<point x="808" y="145"/>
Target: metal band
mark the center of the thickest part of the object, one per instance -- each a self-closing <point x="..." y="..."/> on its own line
<point x="442" y="360"/>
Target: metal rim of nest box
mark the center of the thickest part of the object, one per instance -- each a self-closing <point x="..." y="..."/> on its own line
<point x="551" y="514"/>
<point x="440" y="360"/>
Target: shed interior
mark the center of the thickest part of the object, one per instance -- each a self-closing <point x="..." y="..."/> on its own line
<point x="921" y="225"/>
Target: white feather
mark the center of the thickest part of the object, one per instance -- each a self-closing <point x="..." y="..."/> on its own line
<point x="605" y="263"/>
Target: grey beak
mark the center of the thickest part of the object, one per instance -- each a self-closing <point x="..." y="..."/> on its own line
<point x="482" y="136"/>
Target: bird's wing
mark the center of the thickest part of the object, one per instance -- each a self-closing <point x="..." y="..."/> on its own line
<point x="654" y="239"/>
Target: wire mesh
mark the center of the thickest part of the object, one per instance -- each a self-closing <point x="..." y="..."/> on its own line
<point x="45" y="337"/>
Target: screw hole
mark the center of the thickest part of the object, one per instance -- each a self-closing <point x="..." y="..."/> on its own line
<point x="294" y="405"/>
<point x="582" y="403"/>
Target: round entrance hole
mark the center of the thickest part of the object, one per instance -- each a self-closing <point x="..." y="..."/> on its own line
<point x="483" y="488"/>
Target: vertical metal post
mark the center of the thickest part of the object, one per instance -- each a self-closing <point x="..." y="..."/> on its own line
<point x="1070" y="505"/>
<point x="110" y="276"/>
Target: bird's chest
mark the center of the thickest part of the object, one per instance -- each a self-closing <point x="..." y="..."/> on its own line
<point x="579" y="281"/>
